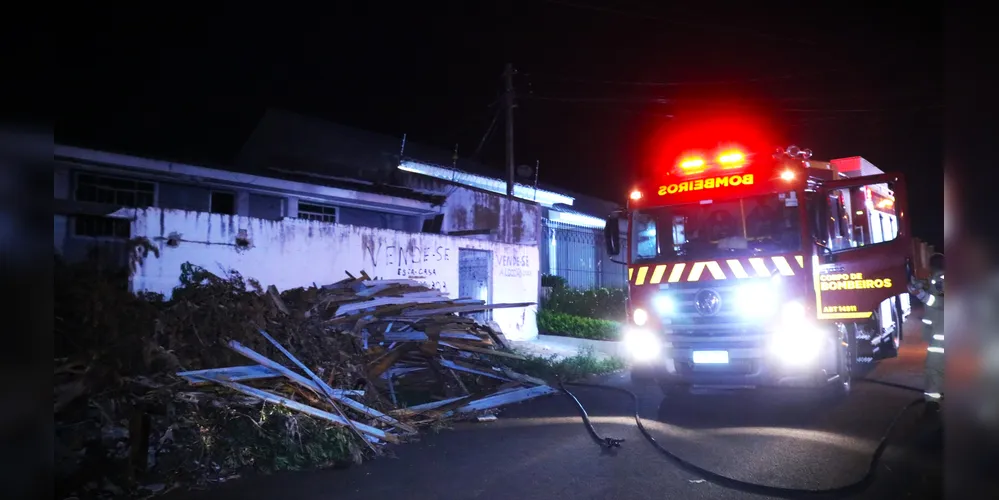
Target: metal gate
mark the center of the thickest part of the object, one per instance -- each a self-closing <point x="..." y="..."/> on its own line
<point x="578" y="255"/>
<point x="475" y="278"/>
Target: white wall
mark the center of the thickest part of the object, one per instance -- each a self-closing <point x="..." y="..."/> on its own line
<point x="296" y="253"/>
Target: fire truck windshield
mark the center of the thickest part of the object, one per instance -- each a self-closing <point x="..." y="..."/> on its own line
<point x="749" y="226"/>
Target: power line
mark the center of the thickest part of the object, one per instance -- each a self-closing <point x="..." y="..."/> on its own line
<point x="667" y="101"/>
<point x="489" y="131"/>
<point x="597" y="8"/>
<point x="863" y="110"/>
<point x="612" y="100"/>
<point x="696" y="82"/>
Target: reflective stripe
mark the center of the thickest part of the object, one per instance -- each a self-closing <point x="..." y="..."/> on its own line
<point x="759" y="267"/>
<point x="715" y="270"/>
<point x="783" y="266"/>
<point x="937" y="336"/>
<point x="742" y="268"/>
<point x="640" y="279"/>
<point x="935" y="349"/>
<point x="737" y="268"/>
<point x="931" y="300"/>
<point x="677" y="272"/>
<point x="657" y="275"/>
<point x="934" y="395"/>
<point x="695" y="271"/>
<point x="926" y="321"/>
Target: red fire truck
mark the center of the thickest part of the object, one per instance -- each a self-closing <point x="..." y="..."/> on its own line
<point x="750" y="269"/>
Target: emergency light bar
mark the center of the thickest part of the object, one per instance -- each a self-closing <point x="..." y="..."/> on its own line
<point x="726" y="160"/>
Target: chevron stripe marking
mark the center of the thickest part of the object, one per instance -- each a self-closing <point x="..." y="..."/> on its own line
<point x="677" y="272"/>
<point x="783" y="266"/>
<point x="642" y="271"/>
<point x="737" y="269"/>
<point x="657" y="275"/>
<point x="759" y="267"/>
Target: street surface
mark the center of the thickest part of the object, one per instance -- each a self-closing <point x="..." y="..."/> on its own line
<point x="540" y="449"/>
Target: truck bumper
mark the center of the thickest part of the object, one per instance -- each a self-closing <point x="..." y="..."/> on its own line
<point x="747" y="367"/>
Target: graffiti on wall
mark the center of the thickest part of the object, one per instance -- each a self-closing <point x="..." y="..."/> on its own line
<point x="514" y="266"/>
<point x="390" y="259"/>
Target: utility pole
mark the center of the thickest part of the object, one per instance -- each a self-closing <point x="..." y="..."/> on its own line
<point x="508" y="104"/>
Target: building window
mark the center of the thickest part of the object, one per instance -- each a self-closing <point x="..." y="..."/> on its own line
<point x="223" y="202"/>
<point x="95" y="226"/>
<point x="114" y="191"/>
<point x="312" y="211"/>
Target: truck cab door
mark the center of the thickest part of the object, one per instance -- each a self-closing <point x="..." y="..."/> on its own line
<point x="863" y="249"/>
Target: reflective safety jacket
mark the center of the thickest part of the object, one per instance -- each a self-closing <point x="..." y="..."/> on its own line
<point x="931" y="293"/>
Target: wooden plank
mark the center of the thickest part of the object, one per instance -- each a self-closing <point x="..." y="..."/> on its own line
<point x="455" y="366"/>
<point x="331" y="393"/>
<point x="352" y="307"/>
<point x="274" y="365"/>
<point x="506" y="398"/>
<point x="385" y="361"/>
<point x="483" y="350"/>
<point x="315" y="412"/>
<point x="459" y="309"/>
<point x="275" y="296"/>
<point x="397" y="282"/>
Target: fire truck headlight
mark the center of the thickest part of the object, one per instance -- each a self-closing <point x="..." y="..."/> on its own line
<point x="797" y="346"/>
<point x="663" y="304"/>
<point x="756" y="300"/>
<point x="641" y="344"/>
<point x="793" y="312"/>
<point x="639" y="316"/>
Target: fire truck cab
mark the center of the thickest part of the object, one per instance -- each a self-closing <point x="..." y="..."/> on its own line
<point x="764" y="270"/>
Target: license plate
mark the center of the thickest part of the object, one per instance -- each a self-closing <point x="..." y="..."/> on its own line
<point x="711" y="357"/>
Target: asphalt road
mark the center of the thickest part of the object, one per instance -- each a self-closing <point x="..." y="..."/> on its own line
<point x="540" y="449"/>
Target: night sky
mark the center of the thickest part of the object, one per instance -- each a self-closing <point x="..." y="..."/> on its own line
<point x="599" y="82"/>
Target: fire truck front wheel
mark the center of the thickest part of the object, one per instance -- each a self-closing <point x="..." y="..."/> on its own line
<point x="842" y="384"/>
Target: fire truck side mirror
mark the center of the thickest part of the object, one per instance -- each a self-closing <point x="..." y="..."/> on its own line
<point x="612" y="236"/>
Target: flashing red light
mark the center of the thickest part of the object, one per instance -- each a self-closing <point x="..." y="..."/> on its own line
<point x="787" y="175"/>
<point x="636" y="195"/>
<point x="731" y="159"/>
<point x="692" y="164"/>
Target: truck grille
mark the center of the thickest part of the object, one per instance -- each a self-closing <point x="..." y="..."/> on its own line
<point x="725" y="320"/>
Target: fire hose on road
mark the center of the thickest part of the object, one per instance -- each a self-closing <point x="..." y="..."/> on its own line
<point x="736" y="484"/>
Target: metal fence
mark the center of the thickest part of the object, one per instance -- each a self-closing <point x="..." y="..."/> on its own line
<point x="579" y="255"/>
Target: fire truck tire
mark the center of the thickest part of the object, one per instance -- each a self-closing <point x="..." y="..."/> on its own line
<point x="846" y="365"/>
<point x="899" y="322"/>
<point x="891" y="344"/>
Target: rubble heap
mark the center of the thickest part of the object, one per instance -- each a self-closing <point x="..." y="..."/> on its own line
<point x="229" y="377"/>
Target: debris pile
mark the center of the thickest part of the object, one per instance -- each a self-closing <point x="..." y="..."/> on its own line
<point x="228" y="377"/>
<point x="409" y="335"/>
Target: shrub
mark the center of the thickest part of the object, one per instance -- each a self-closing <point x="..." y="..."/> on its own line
<point x="568" y="325"/>
<point x="552" y="281"/>
<point x="602" y="303"/>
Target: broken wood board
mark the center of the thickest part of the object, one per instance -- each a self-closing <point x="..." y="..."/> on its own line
<point x="315" y="412"/>
<point x="482" y="350"/>
<point x="352" y="307"/>
<point x="460" y="309"/>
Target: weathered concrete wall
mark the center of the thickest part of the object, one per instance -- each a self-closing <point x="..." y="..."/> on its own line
<point x="294" y="253"/>
<point x="512" y="221"/>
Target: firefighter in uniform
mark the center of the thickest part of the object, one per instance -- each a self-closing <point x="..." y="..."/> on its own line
<point x="931" y="294"/>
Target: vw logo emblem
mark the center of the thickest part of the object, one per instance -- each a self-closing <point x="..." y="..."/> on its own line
<point x="707" y="302"/>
